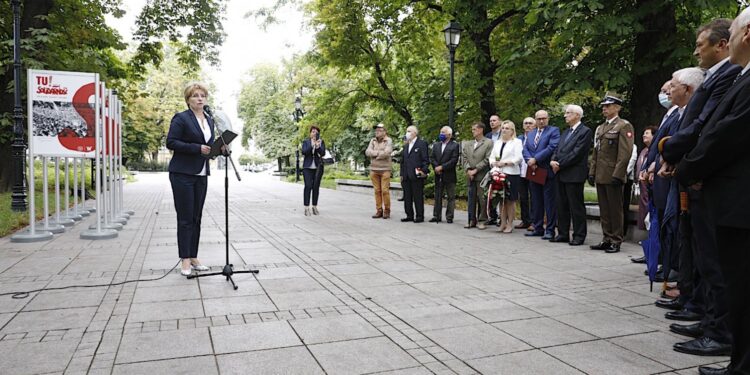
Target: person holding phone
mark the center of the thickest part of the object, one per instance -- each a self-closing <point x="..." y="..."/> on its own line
<point x="313" y="150"/>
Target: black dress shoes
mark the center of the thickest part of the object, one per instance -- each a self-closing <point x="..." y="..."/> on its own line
<point x="613" y="248"/>
<point x="490" y="222"/>
<point x="703" y="346"/>
<point x="690" y="330"/>
<point x="449" y="221"/>
<point x="684" y="315"/>
<point x="560" y="239"/>
<point x="669" y="304"/>
<point x="534" y="234"/>
<point x="641" y="260"/>
<point x="659" y="277"/>
<point x="547" y="236"/>
<point x="601" y="246"/>
<point x="419" y="220"/>
<point x="705" y="370"/>
<point x="522" y="226"/>
<point x="435" y="220"/>
<point x="406" y="219"/>
<point x="576" y="242"/>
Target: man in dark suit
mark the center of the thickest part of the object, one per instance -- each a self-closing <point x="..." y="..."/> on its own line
<point x="529" y="124"/>
<point x="712" y="50"/>
<point x="570" y="164"/>
<point x="415" y="165"/>
<point x="538" y="152"/>
<point x="494" y="136"/>
<point x="717" y="166"/>
<point x="444" y="158"/>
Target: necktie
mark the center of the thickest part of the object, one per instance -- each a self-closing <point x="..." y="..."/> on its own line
<point x="538" y="135"/>
<point x="737" y="78"/>
<point x="570" y="134"/>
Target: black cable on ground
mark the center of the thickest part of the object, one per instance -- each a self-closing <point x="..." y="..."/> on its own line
<point x="22" y="295"/>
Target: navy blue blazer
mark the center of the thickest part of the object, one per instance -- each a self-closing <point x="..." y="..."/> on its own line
<point x="448" y="159"/>
<point x="720" y="158"/>
<point x="543" y="151"/>
<point x="417" y="158"/>
<point x="185" y="138"/>
<point x="573" y="155"/>
<point x="660" y="189"/>
<point x="701" y="106"/>
<point x="310" y="154"/>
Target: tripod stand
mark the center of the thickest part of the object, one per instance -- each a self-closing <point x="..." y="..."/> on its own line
<point x="228" y="269"/>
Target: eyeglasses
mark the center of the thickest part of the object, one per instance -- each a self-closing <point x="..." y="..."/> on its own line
<point x="541" y="118"/>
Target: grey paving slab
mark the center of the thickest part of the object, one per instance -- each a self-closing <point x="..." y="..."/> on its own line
<point x="48" y="300"/>
<point x="490" y="311"/>
<point x="541" y="332"/>
<point x="408" y="371"/>
<point x="476" y="341"/>
<point x="194" y="365"/>
<point x="334" y="328"/>
<point x="36" y="358"/>
<point x="152" y="346"/>
<point x="553" y="305"/>
<point x="530" y="362"/>
<point x="370" y="279"/>
<point x="218" y="287"/>
<point x="50" y="320"/>
<point x="282" y="273"/>
<point x="602" y="357"/>
<point x="254" y="336"/>
<point x="238" y="305"/>
<point x="291" y="285"/>
<point x="294" y="360"/>
<point x="447" y="288"/>
<point x="605" y="323"/>
<point x="361" y="356"/>
<point x="303" y="300"/>
<point x="163" y="310"/>
<point x="435" y="317"/>
<point x="166" y="293"/>
<point x="353" y="269"/>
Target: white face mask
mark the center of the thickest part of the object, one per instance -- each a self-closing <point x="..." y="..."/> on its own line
<point x="664" y="100"/>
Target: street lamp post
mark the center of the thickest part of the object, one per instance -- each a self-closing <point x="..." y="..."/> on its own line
<point x="18" y="195"/>
<point x="452" y="38"/>
<point x="298" y="113"/>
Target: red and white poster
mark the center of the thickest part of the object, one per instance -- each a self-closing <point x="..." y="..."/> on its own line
<point x="62" y="113"/>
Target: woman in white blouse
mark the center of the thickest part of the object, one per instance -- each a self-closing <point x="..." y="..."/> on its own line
<point x="506" y="156"/>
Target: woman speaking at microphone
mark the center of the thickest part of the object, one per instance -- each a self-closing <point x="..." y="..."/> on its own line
<point x="313" y="149"/>
<point x="190" y="134"/>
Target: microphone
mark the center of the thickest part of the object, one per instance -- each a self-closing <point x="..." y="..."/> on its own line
<point x="207" y="110"/>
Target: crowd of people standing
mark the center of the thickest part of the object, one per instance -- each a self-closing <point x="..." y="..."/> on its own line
<point x="692" y="167"/>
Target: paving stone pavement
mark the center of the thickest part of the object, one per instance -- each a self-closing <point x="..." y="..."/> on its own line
<point x="338" y="293"/>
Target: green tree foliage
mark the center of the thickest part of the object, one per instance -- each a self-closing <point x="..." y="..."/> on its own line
<point x="265" y="106"/>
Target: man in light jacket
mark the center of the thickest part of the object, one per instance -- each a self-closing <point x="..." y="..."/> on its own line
<point x="379" y="151"/>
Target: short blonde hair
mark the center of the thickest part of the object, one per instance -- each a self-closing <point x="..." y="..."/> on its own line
<point x="192" y="87"/>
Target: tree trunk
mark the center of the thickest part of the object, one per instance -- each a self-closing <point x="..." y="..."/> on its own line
<point x="30" y="11"/>
<point x="659" y="30"/>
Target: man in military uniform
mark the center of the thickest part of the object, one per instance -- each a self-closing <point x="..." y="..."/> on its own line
<point x="613" y="145"/>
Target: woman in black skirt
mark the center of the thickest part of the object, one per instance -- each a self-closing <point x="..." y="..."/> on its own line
<point x="506" y="156"/>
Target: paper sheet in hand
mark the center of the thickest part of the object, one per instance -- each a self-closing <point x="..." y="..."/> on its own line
<point x="224" y="139"/>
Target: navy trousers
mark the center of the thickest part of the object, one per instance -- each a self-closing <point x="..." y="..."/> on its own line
<point x="189" y="192"/>
<point x="543" y="202"/>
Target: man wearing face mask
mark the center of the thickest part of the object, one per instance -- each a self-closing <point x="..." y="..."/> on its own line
<point x="712" y="52"/>
<point x="415" y="165"/>
<point x="444" y="158"/>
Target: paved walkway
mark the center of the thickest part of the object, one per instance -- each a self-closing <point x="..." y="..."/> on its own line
<point x="338" y="293"/>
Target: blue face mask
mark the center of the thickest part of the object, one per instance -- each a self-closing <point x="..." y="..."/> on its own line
<point x="664" y="100"/>
<point x="442" y="137"/>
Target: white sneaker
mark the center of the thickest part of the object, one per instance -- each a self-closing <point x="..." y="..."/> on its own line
<point x="186" y="272"/>
<point x="199" y="267"/>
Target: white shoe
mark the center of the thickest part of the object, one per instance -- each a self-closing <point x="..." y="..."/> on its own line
<point x="307" y="211"/>
<point x="199" y="267"/>
<point x="315" y="210"/>
<point x="186" y="272"/>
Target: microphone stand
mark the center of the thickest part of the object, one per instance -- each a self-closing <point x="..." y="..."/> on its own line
<point x="228" y="269"/>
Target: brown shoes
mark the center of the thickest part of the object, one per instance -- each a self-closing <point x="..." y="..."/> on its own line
<point x="378" y="215"/>
<point x="386" y="214"/>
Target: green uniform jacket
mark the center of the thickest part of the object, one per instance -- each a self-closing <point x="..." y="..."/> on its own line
<point x="613" y="146"/>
